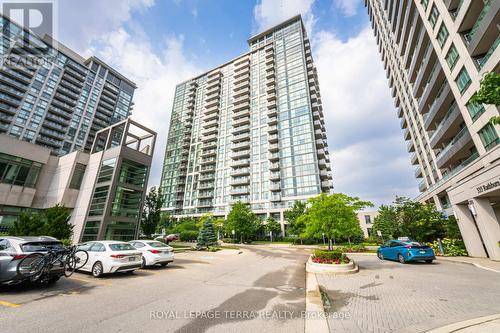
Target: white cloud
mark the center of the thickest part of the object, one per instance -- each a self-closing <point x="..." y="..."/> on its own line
<point x="367" y="149"/>
<point x="81" y="22"/>
<point x="271" y="12"/>
<point x="156" y="76"/>
<point x="348" y="7"/>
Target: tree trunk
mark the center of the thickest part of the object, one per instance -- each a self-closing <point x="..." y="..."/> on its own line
<point x="330" y="247"/>
<point x="301" y="242"/>
<point x="349" y="240"/>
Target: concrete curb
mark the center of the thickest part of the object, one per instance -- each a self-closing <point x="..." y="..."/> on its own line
<point x="469" y="263"/>
<point x="315" y="320"/>
<point x="339" y="269"/>
<point x="465" y="324"/>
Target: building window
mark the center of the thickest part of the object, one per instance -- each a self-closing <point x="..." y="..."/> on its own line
<point x="133" y="173"/>
<point x="463" y="80"/>
<point x="452" y="56"/>
<point x="433" y="17"/>
<point x="424" y="3"/>
<point x="106" y="172"/>
<point x="368" y="219"/>
<point x="475" y="110"/>
<point x="489" y="136"/>
<point x="127" y="202"/>
<point x="99" y="201"/>
<point x="18" y="171"/>
<point x="76" y="179"/>
<point x="442" y="34"/>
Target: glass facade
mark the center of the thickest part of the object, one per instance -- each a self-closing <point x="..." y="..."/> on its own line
<point x="250" y="131"/>
<point x="59" y="102"/>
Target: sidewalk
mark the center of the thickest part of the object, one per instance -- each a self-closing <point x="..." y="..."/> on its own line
<point x="483" y="263"/>
<point x="482" y="324"/>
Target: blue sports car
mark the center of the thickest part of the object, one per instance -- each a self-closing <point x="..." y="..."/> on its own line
<point x="405" y="251"/>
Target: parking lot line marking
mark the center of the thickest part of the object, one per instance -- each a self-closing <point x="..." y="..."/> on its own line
<point x="10" y="305"/>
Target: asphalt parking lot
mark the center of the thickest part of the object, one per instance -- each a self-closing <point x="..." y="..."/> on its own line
<point x="199" y="292"/>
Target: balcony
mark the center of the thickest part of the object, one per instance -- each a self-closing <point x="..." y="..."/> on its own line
<point x="206" y="186"/>
<point x="208" y="152"/>
<point x="241" y="145"/>
<point x="240" y="172"/>
<point x="241" y="85"/>
<point x="211" y="123"/>
<point x="410" y="146"/>
<point x="435" y="85"/>
<point x="240" y="190"/>
<point x="240" y="154"/>
<point x="274" y="166"/>
<point x="455" y="150"/>
<point x="240" y="181"/>
<point x="211" y="109"/>
<point x="418" y="172"/>
<point x="241" y="105"/>
<point x="274" y="187"/>
<point x="275" y="197"/>
<point x="422" y="186"/>
<point x="326" y="184"/>
<point x="241" y="137"/>
<point x="407" y="135"/>
<point x="241" y="121"/>
<point x="273" y="147"/>
<point x="272" y="138"/>
<point x="240" y="163"/>
<point x="414" y="159"/>
<point x="209" y="103"/>
<point x="272" y="129"/>
<point x="448" y="127"/>
<point x="210" y="130"/>
<point x="438" y="107"/>
<point x="274" y="156"/>
<point x="241" y="78"/>
<point x="210" y="160"/>
<point x="274" y="175"/>
<point x="323" y="174"/>
<point x="209" y="168"/>
<point x="241" y="129"/>
<point x="207" y="177"/>
<point x="241" y="113"/>
<point x="211" y="137"/>
<point x="241" y="94"/>
<point x="403" y="123"/>
<point x="205" y="194"/>
<point x="204" y="203"/>
<point x="484" y="31"/>
<point x="272" y="120"/>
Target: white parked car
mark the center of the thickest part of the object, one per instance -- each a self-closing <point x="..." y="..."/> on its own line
<point x="154" y="252"/>
<point x="110" y="257"/>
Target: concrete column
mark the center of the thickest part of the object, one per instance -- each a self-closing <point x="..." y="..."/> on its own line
<point x="488" y="226"/>
<point x="469" y="231"/>
<point x="282" y="223"/>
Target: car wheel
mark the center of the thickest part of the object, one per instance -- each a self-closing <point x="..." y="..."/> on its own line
<point x="429" y="261"/>
<point x="401" y="259"/>
<point x="164" y="264"/>
<point x="97" y="270"/>
<point x="143" y="262"/>
<point x="380" y="256"/>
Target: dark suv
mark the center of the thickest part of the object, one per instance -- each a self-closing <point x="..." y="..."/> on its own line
<point x="14" y="249"/>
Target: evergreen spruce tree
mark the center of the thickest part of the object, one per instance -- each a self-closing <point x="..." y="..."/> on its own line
<point x="207" y="236"/>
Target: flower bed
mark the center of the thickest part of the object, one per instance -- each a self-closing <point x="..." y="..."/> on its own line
<point x="329" y="257"/>
<point x="352" y="249"/>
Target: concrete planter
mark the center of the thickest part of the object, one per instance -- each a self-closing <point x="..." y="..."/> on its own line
<point x="316" y="268"/>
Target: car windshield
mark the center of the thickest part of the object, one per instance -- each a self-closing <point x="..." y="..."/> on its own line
<point x="40" y="246"/>
<point x="121" y="247"/>
<point x="156" y="244"/>
<point x="413" y="244"/>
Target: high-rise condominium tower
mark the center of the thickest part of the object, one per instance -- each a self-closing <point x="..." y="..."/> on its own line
<point x="435" y="53"/>
<point x="51" y="96"/>
<point x="250" y="130"/>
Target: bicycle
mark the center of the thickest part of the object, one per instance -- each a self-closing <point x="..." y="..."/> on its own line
<point x="37" y="266"/>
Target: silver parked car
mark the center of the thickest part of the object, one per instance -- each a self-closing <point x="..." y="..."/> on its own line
<point x="14" y="249"/>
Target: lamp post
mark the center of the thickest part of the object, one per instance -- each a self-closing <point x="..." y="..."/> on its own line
<point x="323" y="239"/>
<point x="233" y="232"/>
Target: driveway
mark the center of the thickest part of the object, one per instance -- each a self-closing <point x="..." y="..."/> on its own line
<point x="260" y="289"/>
<point x="387" y="296"/>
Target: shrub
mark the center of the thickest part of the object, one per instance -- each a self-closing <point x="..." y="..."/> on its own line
<point x="351" y="249"/>
<point x="451" y="247"/>
<point x="188" y="235"/>
<point x="329" y="257"/>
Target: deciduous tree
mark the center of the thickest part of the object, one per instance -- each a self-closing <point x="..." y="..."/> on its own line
<point x="152" y="211"/>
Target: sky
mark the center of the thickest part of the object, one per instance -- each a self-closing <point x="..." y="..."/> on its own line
<point x="159" y="43"/>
